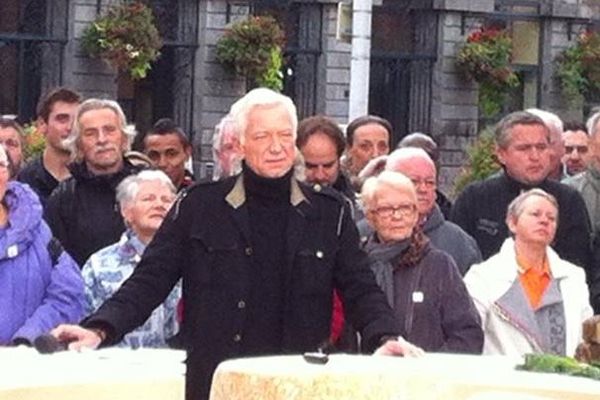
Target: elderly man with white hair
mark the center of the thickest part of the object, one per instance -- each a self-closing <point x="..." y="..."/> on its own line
<point x="260" y="255"/>
<point x="445" y="235"/>
<point x="144" y="200"/>
<point x="82" y="210"/>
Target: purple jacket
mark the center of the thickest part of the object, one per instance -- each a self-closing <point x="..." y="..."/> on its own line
<point x="40" y="284"/>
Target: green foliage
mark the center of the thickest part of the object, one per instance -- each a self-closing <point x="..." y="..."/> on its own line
<point x="126" y="37"/>
<point x="578" y="67"/>
<point x="481" y="161"/>
<point x="252" y="48"/>
<point x="558" y="364"/>
<point x="34" y="142"/>
<point x="485" y="58"/>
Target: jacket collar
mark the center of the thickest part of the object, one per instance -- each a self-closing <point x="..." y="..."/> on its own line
<point x="559" y="269"/>
<point x="237" y="195"/>
<point x="435" y="218"/>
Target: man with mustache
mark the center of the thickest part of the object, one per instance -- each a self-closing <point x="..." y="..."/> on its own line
<point x="82" y="210"/>
<point x="523" y="149"/>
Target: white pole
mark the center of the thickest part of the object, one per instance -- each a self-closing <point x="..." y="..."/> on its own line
<point x="361" y="58"/>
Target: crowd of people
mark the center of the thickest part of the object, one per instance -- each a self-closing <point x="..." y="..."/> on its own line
<point x="306" y="237"/>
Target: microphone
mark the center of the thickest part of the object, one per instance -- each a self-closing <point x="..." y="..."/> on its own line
<point x="48" y="344"/>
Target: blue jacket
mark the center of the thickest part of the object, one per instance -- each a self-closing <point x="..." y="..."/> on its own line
<point x="40" y="284"/>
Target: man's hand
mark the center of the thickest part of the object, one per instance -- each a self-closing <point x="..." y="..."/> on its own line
<point x="77" y="337"/>
<point x="399" y="347"/>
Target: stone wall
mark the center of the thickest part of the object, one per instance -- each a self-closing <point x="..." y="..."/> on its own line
<point x="214" y="88"/>
<point x="337" y="68"/>
<point x="92" y="78"/>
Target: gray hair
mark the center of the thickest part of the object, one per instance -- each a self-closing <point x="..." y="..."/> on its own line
<point x="130" y="186"/>
<point x="592" y="123"/>
<point x="503" y="131"/>
<point x="391" y="179"/>
<point x="406" y="154"/>
<point x="260" y="97"/>
<point x="516" y="207"/>
<point x="551" y="120"/>
<point x="72" y="141"/>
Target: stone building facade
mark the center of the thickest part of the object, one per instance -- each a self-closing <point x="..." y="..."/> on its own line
<point x="414" y="81"/>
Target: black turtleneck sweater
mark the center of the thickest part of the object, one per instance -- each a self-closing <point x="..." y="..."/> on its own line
<point x="268" y="202"/>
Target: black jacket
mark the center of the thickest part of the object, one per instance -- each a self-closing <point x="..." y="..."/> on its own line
<point x="83" y="213"/>
<point x="481" y="211"/>
<point x="37" y="176"/>
<point x="205" y="241"/>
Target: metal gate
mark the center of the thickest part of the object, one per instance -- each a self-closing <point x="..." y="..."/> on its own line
<point x="402" y="60"/>
<point x="302" y="23"/>
<point x="32" y="38"/>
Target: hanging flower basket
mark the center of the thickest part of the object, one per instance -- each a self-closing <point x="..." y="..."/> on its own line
<point x="485" y="58"/>
<point x="126" y="38"/>
<point x="252" y="48"/>
<point x="578" y="67"/>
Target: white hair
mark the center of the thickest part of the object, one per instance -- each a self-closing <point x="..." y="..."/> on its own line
<point x="551" y="120"/>
<point x="592" y="123"/>
<point x="395" y="180"/>
<point x="260" y="97"/>
<point x="72" y="141"/>
<point x="130" y="186"/>
<point x="406" y="154"/>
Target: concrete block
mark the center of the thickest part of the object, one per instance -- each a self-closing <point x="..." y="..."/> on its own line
<point x="84" y="12"/>
<point x="338" y="59"/>
<point x="338" y="75"/>
<point x="465" y="5"/>
<point x="337" y="92"/>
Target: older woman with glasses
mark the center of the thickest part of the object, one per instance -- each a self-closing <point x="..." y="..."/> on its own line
<point x="529" y="299"/>
<point x="423" y="285"/>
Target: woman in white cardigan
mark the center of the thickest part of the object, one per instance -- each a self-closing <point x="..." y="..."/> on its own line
<point x="529" y="299"/>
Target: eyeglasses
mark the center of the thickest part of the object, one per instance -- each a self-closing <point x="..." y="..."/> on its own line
<point x="402" y="210"/>
<point x="427" y="183"/>
<point x="580" y="149"/>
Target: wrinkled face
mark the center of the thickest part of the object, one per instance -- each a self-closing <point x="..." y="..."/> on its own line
<point x="227" y="153"/>
<point x="269" y="141"/>
<point x="393" y="214"/>
<point x="576" y="151"/>
<point x="423" y="175"/>
<point x="321" y="159"/>
<point x="369" y="141"/>
<point x="59" y="125"/>
<point x="527" y="155"/>
<point x="557" y="151"/>
<point x="102" y="142"/>
<point x="149" y="208"/>
<point x="9" y="138"/>
<point x="169" y="154"/>
<point x="536" y="223"/>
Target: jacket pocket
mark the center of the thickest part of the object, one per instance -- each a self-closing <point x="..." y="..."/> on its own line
<point x="314" y="267"/>
<point x="215" y="259"/>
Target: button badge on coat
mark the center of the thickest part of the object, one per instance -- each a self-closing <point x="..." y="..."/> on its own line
<point x="418" y="297"/>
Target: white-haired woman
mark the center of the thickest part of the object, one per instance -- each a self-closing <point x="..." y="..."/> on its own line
<point x="144" y="200"/>
<point x="423" y="285"/>
<point x="529" y="299"/>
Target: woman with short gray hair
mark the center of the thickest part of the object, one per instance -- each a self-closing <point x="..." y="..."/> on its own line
<point x="529" y="299"/>
<point x="422" y="284"/>
<point x="144" y="200"/>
